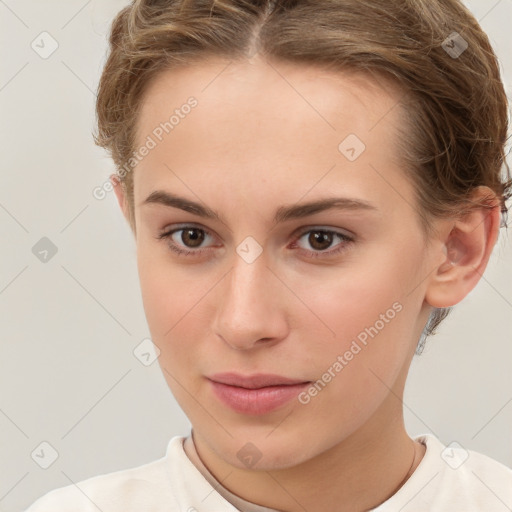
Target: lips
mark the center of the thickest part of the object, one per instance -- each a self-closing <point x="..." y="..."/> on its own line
<point x="254" y="381"/>
<point x="255" y="394"/>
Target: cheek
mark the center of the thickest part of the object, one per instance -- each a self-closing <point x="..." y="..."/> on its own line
<point x="166" y="287"/>
<point x="174" y="297"/>
<point x="355" y="369"/>
<point x="346" y="300"/>
<point x="366" y="315"/>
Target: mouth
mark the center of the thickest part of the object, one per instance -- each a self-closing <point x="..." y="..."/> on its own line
<point x="255" y="394"/>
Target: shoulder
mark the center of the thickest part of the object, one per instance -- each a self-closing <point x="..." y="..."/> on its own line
<point x="138" y="488"/>
<point x="485" y="481"/>
<point x="461" y="464"/>
<point x="452" y="477"/>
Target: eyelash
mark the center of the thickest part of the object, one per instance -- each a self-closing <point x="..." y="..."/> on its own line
<point x="312" y="254"/>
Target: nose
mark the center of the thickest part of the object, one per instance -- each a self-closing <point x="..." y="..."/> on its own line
<point x="252" y="308"/>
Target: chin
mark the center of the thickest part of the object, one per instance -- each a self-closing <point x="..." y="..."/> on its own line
<point x="262" y="451"/>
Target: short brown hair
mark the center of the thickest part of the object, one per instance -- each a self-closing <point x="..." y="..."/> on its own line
<point x="454" y="103"/>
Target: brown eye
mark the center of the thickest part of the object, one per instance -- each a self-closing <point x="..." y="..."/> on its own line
<point x="192" y="237"/>
<point x="186" y="240"/>
<point x="320" y="240"/>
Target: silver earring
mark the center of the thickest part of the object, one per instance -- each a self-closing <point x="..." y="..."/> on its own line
<point x="421" y="343"/>
<point x="504" y="219"/>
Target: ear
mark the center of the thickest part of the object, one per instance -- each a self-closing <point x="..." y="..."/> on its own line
<point x="121" y="196"/>
<point x="467" y="245"/>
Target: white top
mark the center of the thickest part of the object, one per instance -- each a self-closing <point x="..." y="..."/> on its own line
<point x="447" y="479"/>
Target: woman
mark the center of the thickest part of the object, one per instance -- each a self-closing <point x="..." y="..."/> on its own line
<point x="311" y="186"/>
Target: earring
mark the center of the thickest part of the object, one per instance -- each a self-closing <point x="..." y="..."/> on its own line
<point x="504" y="218"/>
<point x="421" y="342"/>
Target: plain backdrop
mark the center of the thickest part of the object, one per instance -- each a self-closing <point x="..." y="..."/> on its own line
<point x="70" y="325"/>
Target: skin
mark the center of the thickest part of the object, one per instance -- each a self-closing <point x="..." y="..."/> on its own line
<point x="264" y="135"/>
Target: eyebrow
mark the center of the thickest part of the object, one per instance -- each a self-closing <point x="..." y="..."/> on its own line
<point x="283" y="213"/>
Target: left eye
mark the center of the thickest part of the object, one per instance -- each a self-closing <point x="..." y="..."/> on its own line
<point x="321" y="239"/>
<point x="192" y="237"/>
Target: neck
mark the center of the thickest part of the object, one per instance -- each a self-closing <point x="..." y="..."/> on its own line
<point x="359" y="473"/>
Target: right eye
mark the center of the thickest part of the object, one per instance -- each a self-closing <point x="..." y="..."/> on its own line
<point x="184" y="244"/>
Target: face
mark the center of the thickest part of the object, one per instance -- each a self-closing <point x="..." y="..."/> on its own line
<point x="328" y="301"/>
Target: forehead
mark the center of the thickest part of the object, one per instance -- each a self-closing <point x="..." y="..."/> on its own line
<point x="266" y="87"/>
<point x="260" y="119"/>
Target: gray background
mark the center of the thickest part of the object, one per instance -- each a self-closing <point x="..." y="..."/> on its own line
<point x="68" y="374"/>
